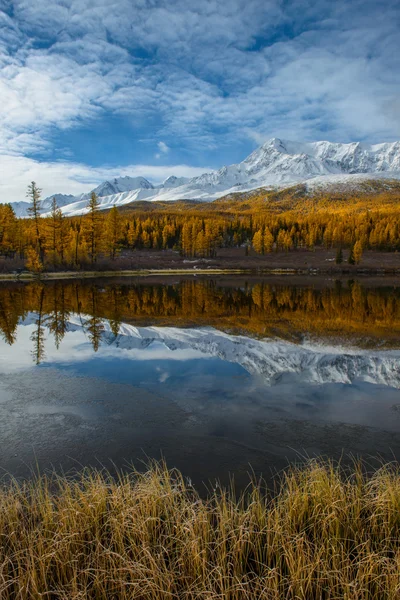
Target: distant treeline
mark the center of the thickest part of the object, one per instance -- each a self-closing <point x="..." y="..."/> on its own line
<point x="199" y="230"/>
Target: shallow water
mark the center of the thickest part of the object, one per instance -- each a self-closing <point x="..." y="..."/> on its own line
<point x="219" y="377"/>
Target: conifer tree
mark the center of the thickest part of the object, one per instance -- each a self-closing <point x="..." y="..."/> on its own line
<point x="92" y="226"/>
<point x="55" y="226"/>
<point x="258" y="242"/>
<point x="38" y="335"/>
<point x="33" y="262"/>
<point x="33" y="194"/>
<point x="8" y="230"/>
<point x="268" y="240"/>
<point x="113" y="232"/>
<point x="351" y="259"/>
<point x="357" y="252"/>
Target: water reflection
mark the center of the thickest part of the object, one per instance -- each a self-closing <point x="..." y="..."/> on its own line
<point x="343" y="313"/>
<point x="213" y="376"/>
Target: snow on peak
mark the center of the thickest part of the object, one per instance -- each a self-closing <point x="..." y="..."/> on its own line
<point x="172" y="181"/>
<point x="277" y="163"/>
<point x="61" y="199"/>
<point x="122" y="184"/>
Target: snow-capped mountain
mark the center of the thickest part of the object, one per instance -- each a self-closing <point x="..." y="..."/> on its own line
<point x="278" y="163"/>
<point x="62" y="200"/>
<point x="172" y="182"/>
<point x="119" y="185"/>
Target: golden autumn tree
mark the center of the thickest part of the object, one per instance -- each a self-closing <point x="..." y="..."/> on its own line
<point x="357" y="252"/>
<point x="113" y="232"/>
<point x="92" y="227"/>
<point x="33" y="262"/>
<point x="55" y="226"/>
<point x="258" y="242"/>
<point x="8" y="230"/>
<point x="33" y="194"/>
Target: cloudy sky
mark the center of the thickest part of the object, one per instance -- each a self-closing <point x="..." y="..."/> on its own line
<point x="90" y="89"/>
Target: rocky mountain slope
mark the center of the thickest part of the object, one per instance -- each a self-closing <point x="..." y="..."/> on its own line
<point x="277" y="163"/>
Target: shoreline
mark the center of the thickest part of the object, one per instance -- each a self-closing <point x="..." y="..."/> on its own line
<point x="53" y="275"/>
<point x="184" y="272"/>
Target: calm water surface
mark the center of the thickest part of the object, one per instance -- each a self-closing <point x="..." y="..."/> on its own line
<point x="218" y="377"/>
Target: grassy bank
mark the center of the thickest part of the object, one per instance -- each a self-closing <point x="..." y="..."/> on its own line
<point x="150" y="536"/>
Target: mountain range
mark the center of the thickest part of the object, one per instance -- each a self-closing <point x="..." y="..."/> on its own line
<point x="276" y="164"/>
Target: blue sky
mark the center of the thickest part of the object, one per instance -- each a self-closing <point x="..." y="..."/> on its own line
<point x="91" y="89"/>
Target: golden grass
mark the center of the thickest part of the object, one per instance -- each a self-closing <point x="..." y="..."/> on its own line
<point x="150" y="536"/>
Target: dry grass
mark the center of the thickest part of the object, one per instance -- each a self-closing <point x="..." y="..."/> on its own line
<point x="150" y="536"/>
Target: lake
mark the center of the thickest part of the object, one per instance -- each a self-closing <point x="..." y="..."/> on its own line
<point x="219" y="377"/>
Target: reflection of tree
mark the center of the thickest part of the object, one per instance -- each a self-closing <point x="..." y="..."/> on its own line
<point x="115" y="316"/>
<point x="57" y="321"/>
<point x="94" y="324"/>
<point x="37" y="336"/>
<point x="9" y="316"/>
<point x="261" y="309"/>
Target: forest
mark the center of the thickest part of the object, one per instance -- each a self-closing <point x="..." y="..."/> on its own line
<point x="264" y="222"/>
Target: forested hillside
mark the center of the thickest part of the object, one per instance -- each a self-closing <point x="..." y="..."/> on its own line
<point x="264" y="221"/>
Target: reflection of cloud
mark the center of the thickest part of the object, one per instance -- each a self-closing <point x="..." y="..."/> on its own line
<point x="268" y="359"/>
<point x="75" y="348"/>
<point x="163" y="377"/>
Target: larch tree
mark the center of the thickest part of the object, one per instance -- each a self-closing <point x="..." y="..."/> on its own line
<point x="113" y="232"/>
<point x="92" y="226"/>
<point x="55" y="225"/>
<point x="351" y="260"/>
<point x="357" y="252"/>
<point x="8" y="230"/>
<point x="268" y="240"/>
<point x="258" y="242"/>
<point x="34" y="209"/>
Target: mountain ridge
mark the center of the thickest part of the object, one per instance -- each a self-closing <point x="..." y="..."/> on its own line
<point x="276" y="164"/>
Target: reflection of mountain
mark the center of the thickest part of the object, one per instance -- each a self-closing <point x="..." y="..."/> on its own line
<point x="345" y="313"/>
<point x="270" y="359"/>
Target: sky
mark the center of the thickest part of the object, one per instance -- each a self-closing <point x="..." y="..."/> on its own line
<point x="93" y="89"/>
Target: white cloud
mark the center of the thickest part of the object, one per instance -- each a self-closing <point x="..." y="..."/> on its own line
<point x="203" y="75"/>
<point x="162" y="146"/>
<point x="163" y="149"/>
<point x="74" y="178"/>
